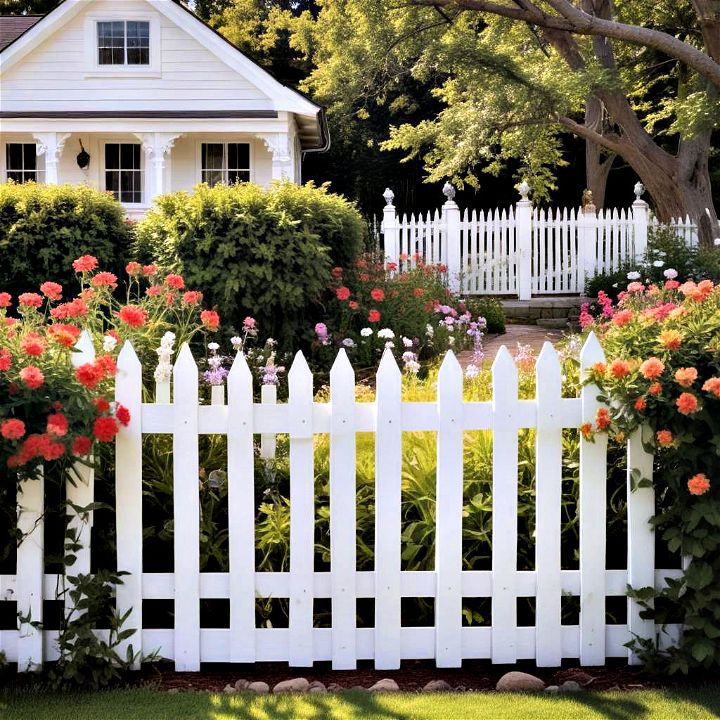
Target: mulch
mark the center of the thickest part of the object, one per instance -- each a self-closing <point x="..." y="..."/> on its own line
<point x="473" y="676"/>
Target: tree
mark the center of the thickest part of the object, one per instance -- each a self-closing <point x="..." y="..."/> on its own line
<point x="637" y="79"/>
<point x="27" y="7"/>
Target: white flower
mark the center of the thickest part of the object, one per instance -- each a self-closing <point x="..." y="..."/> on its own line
<point x="109" y="343"/>
<point x="366" y="332"/>
<point x="236" y="342"/>
<point x="389" y="345"/>
<point x="407" y="342"/>
<point x="429" y="330"/>
<point x="451" y="341"/>
<point x="412" y="366"/>
<point x="658" y="263"/>
<point x="471" y="371"/>
<point x="213" y="346"/>
<point x="634" y="275"/>
<point x="386" y="334"/>
<point x="408" y="356"/>
<point x="348" y="342"/>
<point x="670" y="273"/>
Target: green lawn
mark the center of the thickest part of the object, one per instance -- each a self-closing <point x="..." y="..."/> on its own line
<point x="691" y="704"/>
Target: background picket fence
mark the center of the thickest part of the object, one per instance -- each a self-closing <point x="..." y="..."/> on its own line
<point x="235" y="414"/>
<point x="521" y="251"/>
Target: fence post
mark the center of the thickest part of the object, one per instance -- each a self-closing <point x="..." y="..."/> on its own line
<point x="640" y="222"/>
<point x="587" y="247"/>
<point x="452" y="239"/>
<point x="390" y="229"/>
<point x="523" y="225"/>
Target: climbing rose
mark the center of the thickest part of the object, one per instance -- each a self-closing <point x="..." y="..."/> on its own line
<point x="652" y="368"/>
<point x="12" y="429"/>
<point x="210" y="319"/>
<point x="132" y="315"/>
<point x="664" y="438"/>
<point x="86" y="263"/>
<point x="687" y="403"/>
<point x="88" y="375"/>
<point x="374" y="316"/>
<point x="698" y="484"/>
<point x="175" y="281"/>
<point x="57" y="424"/>
<point x="685" y="377"/>
<point x="5" y="300"/>
<point x="377" y="294"/>
<point x="105" y="428"/>
<point x="81" y="445"/>
<point x="32" y="377"/>
<point x="342" y="293"/>
<point x="123" y="415"/>
<point x="51" y="290"/>
<point x="30" y="300"/>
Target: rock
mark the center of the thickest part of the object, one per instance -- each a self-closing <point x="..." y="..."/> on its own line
<point x="295" y="685"/>
<point x="261" y="688"/>
<point x="241" y="684"/>
<point x="334" y="687"/>
<point x="552" y="689"/>
<point x="318" y="689"/>
<point x="437" y="686"/>
<point x="384" y="685"/>
<point x="570" y="686"/>
<point x="229" y="690"/>
<point x="581" y="677"/>
<point x="519" y="682"/>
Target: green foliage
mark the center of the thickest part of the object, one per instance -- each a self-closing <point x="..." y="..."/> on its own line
<point x="43" y="226"/>
<point x="265" y="253"/>
<point x="489" y="308"/>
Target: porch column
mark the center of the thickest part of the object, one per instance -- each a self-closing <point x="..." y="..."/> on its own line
<point x="156" y="147"/>
<point x="278" y="144"/>
<point x="50" y="145"/>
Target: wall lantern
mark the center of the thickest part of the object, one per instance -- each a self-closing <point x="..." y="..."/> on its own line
<point x="83" y="158"/>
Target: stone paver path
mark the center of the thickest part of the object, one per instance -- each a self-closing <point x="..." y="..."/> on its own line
<point x="532" y="335"/>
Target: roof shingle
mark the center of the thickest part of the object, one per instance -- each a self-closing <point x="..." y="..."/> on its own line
<point x="13" y="26"/>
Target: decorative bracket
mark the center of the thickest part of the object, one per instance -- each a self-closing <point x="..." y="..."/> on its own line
<point x="50" y="144"/>
<point x="278" y="145"/>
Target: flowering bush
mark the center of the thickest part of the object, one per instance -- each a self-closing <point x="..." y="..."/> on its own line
<point x="663" y="373"/>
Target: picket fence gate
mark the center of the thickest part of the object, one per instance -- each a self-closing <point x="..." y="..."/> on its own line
<point x="522" y="251"/>
<point x="235" y="414"/>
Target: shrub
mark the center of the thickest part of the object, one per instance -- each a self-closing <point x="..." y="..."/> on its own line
<point x="489" y="308"/>
<point x="255" y="251"/>
<point x="41" y="226"/>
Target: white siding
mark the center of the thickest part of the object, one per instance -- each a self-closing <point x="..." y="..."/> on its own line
<point x="54" y="75"/>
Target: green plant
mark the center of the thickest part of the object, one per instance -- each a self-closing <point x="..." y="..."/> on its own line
<point x="489" y="308"/>
<point x="41" y="226"/>
<point x="252" y="251"/>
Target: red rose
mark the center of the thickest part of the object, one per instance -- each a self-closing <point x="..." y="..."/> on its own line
<point x="123" y="415"/>
<point x="132" y="315"/>
<point x="342" y="293"/>
<point x="88" y="375"/>
<point x="81" y="445"/>
<point x="377" y="294"/>
<point x="12" y="429"/>
<point x="105" y="429"/>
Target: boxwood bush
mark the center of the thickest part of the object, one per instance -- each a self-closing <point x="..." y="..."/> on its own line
<point x="41" y="226"/>
<point x="255" y="251"/>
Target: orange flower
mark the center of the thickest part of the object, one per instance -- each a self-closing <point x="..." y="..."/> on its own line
<point x="602" y="419"/>
<point x="586" y="430"/>
<point x="132" y="315"/>
<point x="600" y="368"/>
<point x="640" y="404"/>
<point x="664" y="438"/>
<point x="712" y="385"/>
<point x="698" y="484"/>
<point x="706" y="287"/>
<point x="175" y="281"/>
<point x="88" y="375"/>
<point x="33" y="344"/>
<point x="622" y="318"/>
<point x="655" y="388"/>
<point x="652" y="368"/>
<point x="671" y="339"/>
<point x="685" y="377"/>
<point x="32" y="377"/>
<point x="86" y="263"/>
<point x="210" y="319"/>
<point x="619" y="368"/>
<point x="51" y="290"/>
<point x="687" y="403"/>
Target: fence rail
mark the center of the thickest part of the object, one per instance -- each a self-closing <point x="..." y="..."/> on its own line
<point x="522" y="251"/>
<point x="236" y="415"/>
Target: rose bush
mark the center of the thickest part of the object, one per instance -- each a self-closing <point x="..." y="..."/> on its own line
<point x="662" y="342"/>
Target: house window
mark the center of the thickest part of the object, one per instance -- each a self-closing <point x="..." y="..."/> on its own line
<point x="226" y="163"/>
<point x="123" y="42"/>
<point x="123" y="171"/>
<point x="22" y="162"/>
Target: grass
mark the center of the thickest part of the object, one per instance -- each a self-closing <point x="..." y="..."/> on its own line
<point x="688" y="704"/>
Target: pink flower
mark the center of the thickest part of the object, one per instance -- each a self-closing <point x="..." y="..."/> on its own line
<point x="86" y="263"/>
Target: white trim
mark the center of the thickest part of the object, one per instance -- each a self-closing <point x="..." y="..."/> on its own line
<point x="200" y="139"/>
<point x="93" y="67"/>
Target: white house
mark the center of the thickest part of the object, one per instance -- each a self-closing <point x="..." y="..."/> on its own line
<point x="140" y="98"/>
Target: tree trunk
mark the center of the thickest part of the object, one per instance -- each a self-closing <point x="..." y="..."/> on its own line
<point x="597" y="167"/>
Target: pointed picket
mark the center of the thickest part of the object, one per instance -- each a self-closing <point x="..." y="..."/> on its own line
<point x="302" y="514"/>
<point x="641" y="537"/>
<point x="593" y="491"/>
<point x="504" y="508"/>
<point x="186" y="512"/>
<point x="449" y="507"/>
<point x="343" y="554"/>
<point x="241" y="511"/>
<point x="84" y="350"/>
<point x="128" y="498"/>
<point x="548" y="505"/>
<point x="388" y="495"/>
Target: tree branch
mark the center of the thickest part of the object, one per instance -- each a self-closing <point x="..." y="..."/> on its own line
<point x="576" y="21"/>
<point x="614" y="144"/>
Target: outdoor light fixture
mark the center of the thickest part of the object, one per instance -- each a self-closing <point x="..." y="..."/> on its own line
<point x="83" y="158"/>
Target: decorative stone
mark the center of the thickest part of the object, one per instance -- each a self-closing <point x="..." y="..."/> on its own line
<point x="229" y="690"/>
<point x="334" y="687"/>
<point x="317" y="687"/>
<point x="437" y="686"/>
<point x="570" y="686"/>
<point x="385" y="685"/>
<point x="519" y="682"/>
<point x="295" y="685"/>
<point x="261" y="688"/>
<point x="388" y="196"/>
<point x="552" y="689"/>
<point x="581" y="677"/>
<point x="524" y="190"/>
<point x="241" y="684"/>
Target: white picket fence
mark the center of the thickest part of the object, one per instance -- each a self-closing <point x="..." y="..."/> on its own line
<point x="448" y="643"/>
<point x="521" y="251"/>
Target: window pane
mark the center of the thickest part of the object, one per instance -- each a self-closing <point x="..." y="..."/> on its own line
<point x="14" y="156"/>
<point x="29" y="156"/>
<point x="238" y="156"/>
<point x="15" y="176"/>
<point x="131" y="186"/>
<point x="212" y="177"/>
<point x="138" y="43"/>
<point x="138" y="56"/>
<point x="112" y="182"/>
<point x="127" y="156"/>
<point x="111" y="43"/>
<point x="112" y="156"/>
<point x="235" y="176"/>
<point x="212" y="156"/>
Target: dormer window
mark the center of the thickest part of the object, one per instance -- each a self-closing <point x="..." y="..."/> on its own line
<point x="123" y="42"/>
